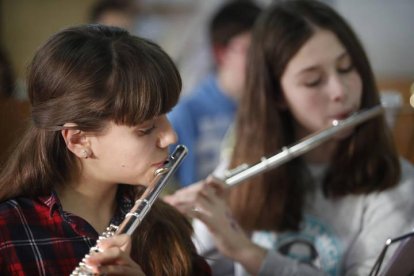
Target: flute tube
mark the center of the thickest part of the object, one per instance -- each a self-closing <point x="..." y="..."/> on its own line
<point x="141" y="207"/>
<point x="245" y="172"/>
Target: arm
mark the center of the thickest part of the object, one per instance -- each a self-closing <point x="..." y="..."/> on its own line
<point x="218" y="235"/>
<point x="388" y="214"/>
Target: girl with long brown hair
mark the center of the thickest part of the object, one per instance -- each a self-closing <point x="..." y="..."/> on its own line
<point x="98" y="133"/>
<point x="330" y="210"/>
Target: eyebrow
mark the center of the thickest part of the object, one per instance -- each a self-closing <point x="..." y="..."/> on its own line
<point x="315" y="67"/>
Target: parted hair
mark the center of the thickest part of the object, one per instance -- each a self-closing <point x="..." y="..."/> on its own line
<point x="90" y="75"/>
<point x="365" y="162"/>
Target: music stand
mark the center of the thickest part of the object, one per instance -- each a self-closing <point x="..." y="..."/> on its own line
<point x="401" y="262"/>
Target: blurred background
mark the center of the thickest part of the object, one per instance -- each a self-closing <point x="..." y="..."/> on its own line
<point x="180" y="27"/>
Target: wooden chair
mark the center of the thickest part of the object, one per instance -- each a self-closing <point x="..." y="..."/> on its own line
<point x="404" y="127"/>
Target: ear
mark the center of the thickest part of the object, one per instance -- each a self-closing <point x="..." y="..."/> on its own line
<point x="76" y="140"/>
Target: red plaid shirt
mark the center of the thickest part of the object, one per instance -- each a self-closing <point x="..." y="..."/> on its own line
<point x="38" y="238"/>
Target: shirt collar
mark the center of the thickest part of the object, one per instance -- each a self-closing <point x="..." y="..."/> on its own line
<point x="52" y="202"/>
<point x="125" y="204"/>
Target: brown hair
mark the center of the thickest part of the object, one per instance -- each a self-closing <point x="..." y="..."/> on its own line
<point x="365" y="162"/>
<point x="90" y="75"/>
<point x="232" y="19"/>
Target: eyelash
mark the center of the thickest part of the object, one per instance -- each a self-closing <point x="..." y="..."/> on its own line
<point x="346" y="70"/>
<point x="314" y="83"/>
<point x="147" y="131"/>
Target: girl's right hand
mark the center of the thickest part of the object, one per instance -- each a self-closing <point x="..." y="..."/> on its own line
<point x="206" y="201"/>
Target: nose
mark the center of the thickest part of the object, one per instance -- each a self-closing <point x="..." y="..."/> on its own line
<point x="338" y="89"/>
<point x="167" y="135"/>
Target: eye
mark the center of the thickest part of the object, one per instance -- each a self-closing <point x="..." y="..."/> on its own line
<point x="313" y="83"/>
<point x="147" y="131"/>
<point x="346" y="69"/>
<point x="312" y="77"/>
<point x="345" y="65"/>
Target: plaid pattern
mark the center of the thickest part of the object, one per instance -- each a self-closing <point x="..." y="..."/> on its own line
<point x="38" y="238"/>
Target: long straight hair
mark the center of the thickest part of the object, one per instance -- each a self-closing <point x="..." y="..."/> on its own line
<point x="365" y="162"/>
<point x="90" y="75"/>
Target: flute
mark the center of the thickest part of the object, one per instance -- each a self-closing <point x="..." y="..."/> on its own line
<point x="244" y="172"/>
<point x="141" y="207"/>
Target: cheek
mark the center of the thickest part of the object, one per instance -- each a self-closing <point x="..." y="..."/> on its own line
<point x="301" y="101"/>
<point x="119" y="152"/>
<point x="305" y="107"/>
<point x="132" y="155"/>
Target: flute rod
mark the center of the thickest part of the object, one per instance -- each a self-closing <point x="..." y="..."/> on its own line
<point x="245" y="172"/>
<point x="144" y="204"/>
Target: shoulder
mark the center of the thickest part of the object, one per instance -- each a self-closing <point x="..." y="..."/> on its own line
<point x="12" y="215"/>
<point x="202" y="93"/>
<point x="407" y="170"/>
<point x="402" y="193"/>
<point x="189" y="106"/>
<point x="8" y="206"/>
<point x="20" y="208"/>
<point x="405" y="187"/>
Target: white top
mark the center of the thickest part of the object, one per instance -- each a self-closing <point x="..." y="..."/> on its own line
<point x="337" y="237"/>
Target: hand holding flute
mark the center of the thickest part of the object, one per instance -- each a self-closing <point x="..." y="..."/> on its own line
<point x="114" y="258"/>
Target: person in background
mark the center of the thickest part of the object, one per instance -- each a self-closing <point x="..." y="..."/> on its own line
<point x="329" y="211"/>
<point x="99" y="132"/>
<point x="202" y="118"/>
<point x="118" y="13"/>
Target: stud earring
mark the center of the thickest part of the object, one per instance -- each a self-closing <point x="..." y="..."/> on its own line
<point x="85" y="153"/>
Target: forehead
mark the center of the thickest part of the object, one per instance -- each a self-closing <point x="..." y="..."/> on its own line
<point x="240" y="40"/>
<point x="323" y="48"/>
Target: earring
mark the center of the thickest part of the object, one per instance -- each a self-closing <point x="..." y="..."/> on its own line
<point x="85" y="153"/>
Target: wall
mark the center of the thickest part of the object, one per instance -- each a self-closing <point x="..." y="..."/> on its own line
<point x="386" y="29"/>
<point x="26" y="24"/>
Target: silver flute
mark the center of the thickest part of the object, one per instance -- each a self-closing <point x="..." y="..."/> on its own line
<point x="244" y="172"/>
<point x="141" y="207"/>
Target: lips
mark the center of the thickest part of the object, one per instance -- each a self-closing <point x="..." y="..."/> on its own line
<point x="161" y="163"/>
<point x="342" y="115"/>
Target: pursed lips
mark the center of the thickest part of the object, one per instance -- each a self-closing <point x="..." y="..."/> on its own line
<point x="161" y="163"/>
<point x="342" y="115"/>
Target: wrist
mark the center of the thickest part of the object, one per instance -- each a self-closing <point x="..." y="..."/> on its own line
<point x="251" y="257"/>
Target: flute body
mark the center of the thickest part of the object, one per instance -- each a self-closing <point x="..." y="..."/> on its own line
<point x="245" y="172"/>
<point x="142" y="206"/>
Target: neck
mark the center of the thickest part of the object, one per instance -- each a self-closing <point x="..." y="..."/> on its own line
<point x="321" y="154"/>
<point x="94" y="202"/>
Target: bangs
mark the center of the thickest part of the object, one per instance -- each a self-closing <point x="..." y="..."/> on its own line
<point x="144" y="86"/>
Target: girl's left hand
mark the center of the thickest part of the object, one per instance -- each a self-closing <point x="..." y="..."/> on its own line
<point x="115" y="258"/>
